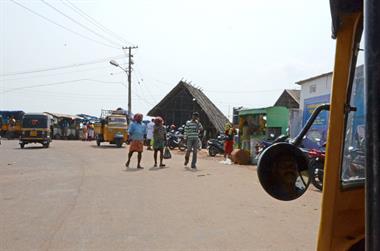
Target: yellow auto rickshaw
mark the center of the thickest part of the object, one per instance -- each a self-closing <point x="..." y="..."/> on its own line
<point x="36" y="128"/>
<point x="350" y="209"/>
<point x="113" y="129"/>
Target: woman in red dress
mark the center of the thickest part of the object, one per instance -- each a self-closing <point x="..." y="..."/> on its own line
<point x="229" y="131"/>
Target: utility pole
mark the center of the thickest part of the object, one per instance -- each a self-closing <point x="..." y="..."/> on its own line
<point x="130" y="63"/>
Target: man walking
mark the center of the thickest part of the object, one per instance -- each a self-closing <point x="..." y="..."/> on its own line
<point x="137" y="133"/>
<point x="149" y="134"/>
<point x="192" y="129"/>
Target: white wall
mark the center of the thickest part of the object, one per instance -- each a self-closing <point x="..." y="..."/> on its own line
<point x="322" y="87"/>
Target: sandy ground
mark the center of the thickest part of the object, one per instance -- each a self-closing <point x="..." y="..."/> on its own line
<point x="77" y="196"/>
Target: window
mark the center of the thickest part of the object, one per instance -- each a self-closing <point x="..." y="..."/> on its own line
<point x="354" y="146"/>
<point x="312" y="88"/>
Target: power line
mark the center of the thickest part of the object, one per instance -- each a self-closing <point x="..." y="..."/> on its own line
<point x="57" y="74"/>
<point x="76" y="96"/>
<point x="143" y="86"/>
<point x="50" y="75"/>
<point x="58" y="83"/>
<point x="243" y="92"/>
<point x="143" y="98"/>
<point x="63" y="27"/>
<point x="93" y="21"/>
<point x="78" y="23"/>
<point x="147" y="91"/>
<point x="62" y="67"/>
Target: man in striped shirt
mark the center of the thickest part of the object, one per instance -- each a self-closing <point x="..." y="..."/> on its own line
<point x="192" y="129"/>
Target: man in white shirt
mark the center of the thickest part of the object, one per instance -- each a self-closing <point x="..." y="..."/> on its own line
<point x="149" y="134"/>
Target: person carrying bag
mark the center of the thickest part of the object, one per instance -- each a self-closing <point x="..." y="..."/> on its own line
<point x="167" y="154"/>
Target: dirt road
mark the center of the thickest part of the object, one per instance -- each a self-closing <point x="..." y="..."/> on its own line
<point x="77" y="196"/>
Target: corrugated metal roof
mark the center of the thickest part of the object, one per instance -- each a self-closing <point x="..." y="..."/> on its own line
<point x="260" y="110"/>
<point x="61" y="115"/>
<point x="301" y="82"/>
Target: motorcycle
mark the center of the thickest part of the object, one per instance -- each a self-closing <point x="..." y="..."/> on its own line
<point x="316" y="167"/>
<point x="216" y="146"/>
<point x="176" y="139"/>
<point x="260" y="147"/>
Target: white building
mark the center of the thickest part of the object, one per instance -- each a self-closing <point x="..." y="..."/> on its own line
<point x="314" y="92"/>
<point x="318" y="86"/>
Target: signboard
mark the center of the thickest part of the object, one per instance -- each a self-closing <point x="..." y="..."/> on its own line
<point x="317" y="134"/>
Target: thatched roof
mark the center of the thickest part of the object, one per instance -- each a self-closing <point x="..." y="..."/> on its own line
<point x="289" y="98"/>
<point x="295" y="94"/>
<point x="212" y="112"/>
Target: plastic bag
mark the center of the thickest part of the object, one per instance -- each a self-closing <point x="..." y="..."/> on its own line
<point x="167" y="154"/>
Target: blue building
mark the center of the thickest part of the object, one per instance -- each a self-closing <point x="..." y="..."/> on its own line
<point x="316" y="91"/>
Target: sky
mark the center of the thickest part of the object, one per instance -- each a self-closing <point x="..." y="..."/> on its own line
<point x="240" y="53"/>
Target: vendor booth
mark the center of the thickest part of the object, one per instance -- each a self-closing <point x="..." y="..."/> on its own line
<point x="261" y="124"/>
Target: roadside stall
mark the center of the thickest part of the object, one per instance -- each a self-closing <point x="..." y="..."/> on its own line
<point x="66" y="126"/>
<point x="260" y="124"/>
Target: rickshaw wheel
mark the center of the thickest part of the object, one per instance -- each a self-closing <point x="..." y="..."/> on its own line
<point x="22" y="145"/>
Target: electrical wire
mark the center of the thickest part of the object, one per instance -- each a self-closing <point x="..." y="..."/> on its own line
<point x="50" y="75"/>
<point x="143" y="86"/>
<point x="78" y="23"/>
<point x="58" y="83"/>
<point x="144" y="99"/>
<point x="77" y="97"/>
<point x="62" y="67"/>
<point x="243" y="92"/>
<point x="93" y="21"/>
<point x="63" y="27"/>
<point x="61" y="73"/>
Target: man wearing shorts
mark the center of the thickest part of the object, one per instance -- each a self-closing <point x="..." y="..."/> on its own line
<point x="137" y="133"/>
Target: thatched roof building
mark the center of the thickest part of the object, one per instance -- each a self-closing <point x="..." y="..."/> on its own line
<point x="290" y="98"/>
<point x="178" y="105"/>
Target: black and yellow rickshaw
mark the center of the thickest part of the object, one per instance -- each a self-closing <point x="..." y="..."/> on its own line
<point x="350" y="214"/>
<point x="36" y="128"/>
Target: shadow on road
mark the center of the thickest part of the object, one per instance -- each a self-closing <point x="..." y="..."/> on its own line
<point x="188" y="169"/>
<point x="107" y="147"/>
<point x="30" y="148"/>
<point x="129" y="169"/>
<point x="158" y="168"/>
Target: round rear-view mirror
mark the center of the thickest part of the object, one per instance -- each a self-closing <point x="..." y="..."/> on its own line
<point x="283" y="171"/>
